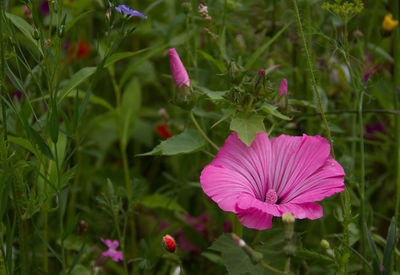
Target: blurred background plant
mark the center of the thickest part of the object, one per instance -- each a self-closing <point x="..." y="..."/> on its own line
<point x="86" y="89"/>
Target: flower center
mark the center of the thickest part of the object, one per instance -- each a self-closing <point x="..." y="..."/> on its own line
<point x="271" y="197"/>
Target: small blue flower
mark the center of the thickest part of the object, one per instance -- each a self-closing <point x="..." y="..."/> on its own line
<point x="126" y="10"/>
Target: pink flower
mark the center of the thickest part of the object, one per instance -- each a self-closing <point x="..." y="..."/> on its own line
<point x="283" y="88"/>
<point x="272" y="177"/>
<point x="261" y="71"/>
<point x="178" y="71"/>
<point x="112" y="252"/>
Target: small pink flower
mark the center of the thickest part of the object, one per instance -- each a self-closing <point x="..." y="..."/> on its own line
<point x="112" y="252"/>
<point x="179" y="73"/>
<point x="283" y="88"/>
<point x="261" y="71"/>
<point x="272" y="177"/>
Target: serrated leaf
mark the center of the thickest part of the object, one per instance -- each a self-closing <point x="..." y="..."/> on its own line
<point x="236" y="261"/>
<point x="272" y="110"/>
<point x="161" y="201"/>
<point x="214" y="95"/>
<point x="130" y="106"/>
<point x="247" y="128"/>
<point x="186" y="142"/>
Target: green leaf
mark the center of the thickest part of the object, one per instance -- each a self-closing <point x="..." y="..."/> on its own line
<point x="214" y="95"/>
<point x="37" y="139"/>
<point x="227" y="114"/>
<point x="24" y="27"/>
<point x="23" y="143"/>
<point x="70" y="227"/>
<point x="15" y="80"/>
<point x="119" y="56"/>
<point x="220" y="65"/>
<point x="247" y="128"/>
<point x="75" y="81"/>
<point x="236" y="261"/>
<point x="186" y="142"/>
<point x="312" y="255"/>
<point x="303" y="103"/>
<point x="130" y="106"/>
<point x="72" y="22"/>
<point x="54" y="123"/>
<point x="161" y="201"/>
<point x="131" y="69"/>
<point x="390" y="242"/>
<point x="81" y="95"/>
<point x="195" y="237"/>
<point x="272" y="110"/>
<point x="263" y="48"/>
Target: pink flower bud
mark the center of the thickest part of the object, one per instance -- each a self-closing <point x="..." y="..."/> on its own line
<point x="178" y="71"/>
<point x="283" y="89"/>
<point x="261" y="71"/>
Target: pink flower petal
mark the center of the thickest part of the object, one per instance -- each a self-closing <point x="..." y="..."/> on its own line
<point x="255" y="209"/>
<point x="326" y="181"/>
<point x="178" y="71"/>
<point x="108" y="243"/>
<point x="294" y="160"/>
<point x="272" y="177"/>
<point x="283" y="88"/>
<point x="114" y="244"/>
<point x="250" y="162"/>
<point x="115" y="255"/>
<point x="224" y="186"/>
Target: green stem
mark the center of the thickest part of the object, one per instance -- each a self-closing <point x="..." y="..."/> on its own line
<point x="237" y="227"/>
<point x="314" y="82"/>
<point x="122" y="242"/>
<point x="267" y="266"/>
<point x="3" y="88"/>
<point x="396" y="82"/>
<point x="125" y="164"/>
<point x="362" y="176"/>
<point x="60" y="208"/>
<point x="202" y="132"/>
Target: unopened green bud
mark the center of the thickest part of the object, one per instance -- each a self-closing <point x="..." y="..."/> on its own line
<point x="288" y="218"/>
<point x="288" y="221"/>
<point x="187" y="7"/>
<point x="325" y="244"/>
<point x="36" y="34"/>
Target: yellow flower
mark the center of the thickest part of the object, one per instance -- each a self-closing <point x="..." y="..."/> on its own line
<point x="388" y="23"/>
